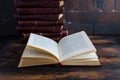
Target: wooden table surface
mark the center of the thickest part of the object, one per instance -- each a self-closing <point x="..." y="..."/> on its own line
<point x="108" y="50"/>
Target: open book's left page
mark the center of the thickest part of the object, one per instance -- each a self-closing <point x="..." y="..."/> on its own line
<point x="31" y="57"/>
<point x="43" y="44"/>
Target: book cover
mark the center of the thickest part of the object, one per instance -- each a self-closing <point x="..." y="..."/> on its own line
<point x="38" y="0"/>
<point x="40" y="23"/>
<point x="40" y="29"/>
<point x="24" y="40"/>
<point x="63" y="33"/>
<point x="40" y="3"/>
<point x="44" y="17"/>
<point x="34" y="11"/>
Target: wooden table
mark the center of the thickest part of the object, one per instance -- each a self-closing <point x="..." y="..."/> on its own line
<point x="108" y="52"/>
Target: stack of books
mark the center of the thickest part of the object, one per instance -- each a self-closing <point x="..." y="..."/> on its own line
<point x="43" y="17"/>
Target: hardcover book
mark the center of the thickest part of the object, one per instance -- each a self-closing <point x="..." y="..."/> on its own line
<point x="40" y="29"/>
<point x="75" y="49"/>
<point x="39" y="0"/>
<point x="57" y="39"/>
<point x="41" y="4"/>
<point x="44" y="17"/>
<point x="50" y="35"/>
<point x="34" y="11"/>
<point x="40" y="23"/>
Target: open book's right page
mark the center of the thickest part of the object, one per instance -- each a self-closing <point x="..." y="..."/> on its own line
<point x="75" y="44"/>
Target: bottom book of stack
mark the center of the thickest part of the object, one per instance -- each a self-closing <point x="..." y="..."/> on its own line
<point x="55" y="36"/>
<point x="73" y="50"/>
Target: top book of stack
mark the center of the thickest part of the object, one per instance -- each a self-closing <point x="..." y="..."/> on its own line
<point x="39" y="3"/>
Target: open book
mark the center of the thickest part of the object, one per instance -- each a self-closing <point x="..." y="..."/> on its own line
<point x="75" y="49"/>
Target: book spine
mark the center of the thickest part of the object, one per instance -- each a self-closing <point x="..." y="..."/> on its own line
<point x="40" y="29"/>
<point x="38" y="0"/>
<point x="50" y="35"/>
<point x="44" y="3"/>
<point x="56" y="39"/>
<point x="24" y="40"/>
<point x="34" y="11"/>
<point x="44" y="17"/>
<point x="40" y="23"/>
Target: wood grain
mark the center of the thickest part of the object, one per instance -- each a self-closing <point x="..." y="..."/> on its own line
<point x="108" y="51"/>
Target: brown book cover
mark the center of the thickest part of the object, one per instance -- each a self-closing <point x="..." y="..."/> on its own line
<point x="44" y="17"/>
<point x="40" y="23"/>
<point x="39" y="0"/>
<point x="53" y="36"/>
<point x="50" y="35"/>
<point x="34" y="11"/>
<point x="24" y="40"/>
<point x="19" y="3"/>
<point x="40" y="29"/>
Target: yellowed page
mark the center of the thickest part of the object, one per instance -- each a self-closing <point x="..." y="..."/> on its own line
<point x="72" y="45"/>
<point x="87" y="59"/>
<point x="31" y="57"/>
<point x="91" y="55"/>
<point x="87" y="62"/>
<point x="43" y="44"/>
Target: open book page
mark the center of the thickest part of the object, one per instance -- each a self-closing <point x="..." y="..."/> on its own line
<point x="83" y="59"/>
<point x="31" y="57"/>
<point x="86" y="62"/>
<point x="31" y="53"/>
<point x="44" y="44"/>
<point x="91" y="55"/>
<point x="72" y="45"/>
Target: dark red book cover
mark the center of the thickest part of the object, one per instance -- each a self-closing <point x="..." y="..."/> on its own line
<point x="56" y="38"/>
<point x="50" y="35"/>
<point x="40" y="29"/>
<point x="40" y="3"/>
<point x="44" y="17"/>
<point x="24" y="40"/>
<point x="39" y="0"/>
<point x="40" y="23"/>
<point x="34" y="11"/>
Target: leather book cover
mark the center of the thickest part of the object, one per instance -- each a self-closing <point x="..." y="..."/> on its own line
<point x="28" y="23"/>
<point x="39" y="3"/>
<point x="40" y="29"/>
<point x="34" y="11"/>
<point x="43" y="17"/>
<point x="50" y="35"/>
<point x="39" y="0"/>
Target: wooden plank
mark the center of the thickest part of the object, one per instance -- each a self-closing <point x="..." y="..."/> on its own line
<point x="108" y="52"/>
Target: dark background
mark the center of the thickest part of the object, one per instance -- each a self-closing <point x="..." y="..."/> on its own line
<point x="79" y="15"/>
<point x="7" y="19"/>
